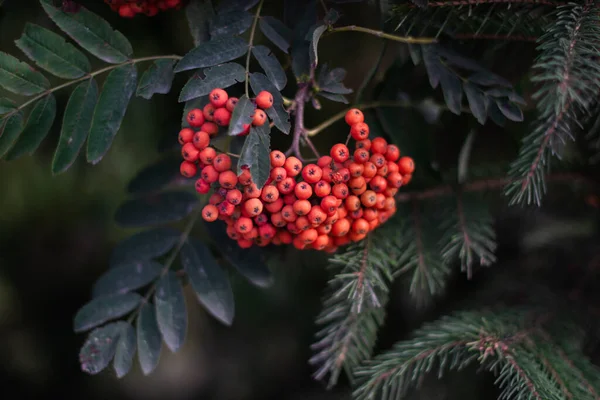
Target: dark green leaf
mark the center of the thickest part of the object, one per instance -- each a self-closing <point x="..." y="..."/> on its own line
<point x="415" y="53"/>
<point x="157" y="176"/>
<point x="92" y="33"/>
<point x="230" y="23"/>
<point x="116" y="93"/>
<point x="277" y="32"/>
<point x="19" y="77"/>
<point x="36" y="129"/>
<point x="336" y="88"/>
<point x="301" y="60"/>
<point x="231" y="5"/>
<point x="270" y="64"/>
<point x="486" y="78"/>
<point x="432" y="64"/>
<point x="126" y="277"/>
<point x="124" y="351"/>
<point x="52" y="53"/>
<point x="6" y="106"/>
<point x="158" y="78"/>
<point x="213" y="52"/>
<point x="242" y="115"/>
<point x="255" y="154"/>
<point x="494" y="112"/>
<point x="156" y="209"/>
<point x="278" y="114"/>
<point x="452" y="89"/>
<point x="148" y="339"/>
<point x="510" y="110"/>
<point x="210" y="283"/>
<point x="477" y="102"/>
<point x="99" y="347"/>
<point x="504" y="92"/>
<point x="220" y="76"/>
<point x="10" y="128"/>
<point x="314" y="44"/>
<point x="144" y="246"/>
<point x="199" y="13"/>
<point x="102" y="309"/>
<point x="249" y="262"/>
<point x="331" y="17"/>
<point x="76" y="124"/>
<point x="334" y="97"/>
<point x="171" y="314"/>
<point x="464" y="156"/>
<point x="330" y="77"/>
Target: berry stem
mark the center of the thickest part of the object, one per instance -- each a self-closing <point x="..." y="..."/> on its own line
<point x="90" y="76"/>
<point x="383" y="35"/>
<point x="169" y="262"/>
<point x="250" y="41"/>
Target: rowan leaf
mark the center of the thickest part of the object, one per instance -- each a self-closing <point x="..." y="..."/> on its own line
<point x="277" y="32"/>
<point x="270" y="64"/>
<point x="125" y="350"/>
<point x="242" y="115"/>
<point x="171" y="314"/>
<point x="230" y="23"/>
<point x="314" y="44"/>
<point x="157" y="176"/>
<point x="103" y="309"/>
<point x="10" y="129"/>
<point x="99" y="347"/>
<point x="158" y="78"/>
<point x="19" y="77"/>
<point x="219" y="76"/>
<point x="277" y="113"/>
<point x="156" y="209"/>
<point x="149" y="341"/>
<point x="6" y="106"/>
<point x="126" y="278"/>
<point x="255" y="154"/>
<point x="199" y="14"/>
<point x="144" y="246"/>
<point x="213" y="52"/>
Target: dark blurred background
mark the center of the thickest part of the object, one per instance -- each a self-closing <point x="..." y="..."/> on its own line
<point x="56" y="234"/>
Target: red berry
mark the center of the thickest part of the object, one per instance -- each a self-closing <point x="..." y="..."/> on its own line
<point x="277" y="158"/>
<point x="218" y="97"/>
<point x="195" y="118"/>
<point x="201" y="140"/>
<point x="208" y="111"/>
<point x="264" y="100"/>
<point x="202" y="186"/>
<point x="339" y="153"/>
<point x="189" y="152"/>
<point x="231" y="103"/>
<point x="186" y="135"/>
<point x="259" y="118"/>
<point x="188" y="169"/>
<point x="211" y="128"/>
<point x="354" y="116"/>
<point x="379" y="145"/>
<point x="210" y="213"/>
<point x="406" y="166"/>
<point x="359" y="131"/>
<point x="312" y="173"/>
<point x="222" y="116"/>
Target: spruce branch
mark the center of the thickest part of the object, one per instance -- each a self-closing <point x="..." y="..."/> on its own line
<point x="569" y="78"/>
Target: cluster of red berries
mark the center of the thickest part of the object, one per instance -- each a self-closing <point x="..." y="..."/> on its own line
<point x="321" y="206"/>
<point x="129" y="8"/>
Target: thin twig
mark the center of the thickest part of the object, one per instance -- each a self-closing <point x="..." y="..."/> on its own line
<point x="383" y="35"/>
<point x="250" y="42"/>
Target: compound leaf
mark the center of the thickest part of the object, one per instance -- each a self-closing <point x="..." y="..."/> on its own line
<point x="144" y="246"/>
<point x="171" y="314"/>
<point x="242" y="115"/>
<point x="213" y="52"/>
<point x="126" y="277"/>
<point x="103" y="309"/>
<point x="221" y="76"/>
<point x="158" y="78"/>
<point x="255" y="154"/>
<point x="19" y="77"/>
<point x="125" y="350"/>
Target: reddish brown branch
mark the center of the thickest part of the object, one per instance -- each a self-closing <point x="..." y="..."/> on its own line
<point x="491" y="36"/>
<point x="524" y="376"/>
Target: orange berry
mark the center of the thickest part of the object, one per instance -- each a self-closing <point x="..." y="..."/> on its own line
<point x="259" y="117"/>
<point x="195" y="118"/>
<point x="222" y="116"/>
<point x="125" y="11"/>
<point x="244" y="225"/>
<point x="316" y="216"/>
<point x="406" y="179"/>
<point x="234" y="196"/>
<point x="391" y="191"/>
<point x="380" y="201"/>
<point x="312" y="173"/>
<point x="252" y="234"/>
<point x="208" y="111"/>
<point x="406" y="166"/>
<point x="340" y="228"/>
<point x="324" y="161"/>
<point x="321" y="242"/>
<point x="356" y="183"/>
<point x="360" y="226"/>
<point x="264" y="100"/>
<point x="185" y="136"/>
<point x="286" y="186"/>
<point x="275" y="206"/>
<point x="215" y="199"/>
<point x="228" y="179"/>
<point x="210" y="213"/>
<point x="370" y="170"/>
<point x="244" y="243"/>
<point x="392" y="167"/>
<point x="356" y="214"/>
<point x="293" y="166"/>
<point x="356" y="169"/>
<point x="395" y="179"/>
<point x="277" y="158"/>
<point x="303" y="191"/>
<point x="308" y="236"/>
<point x="378" y="159"/>
<point x="370" y="214"/>
<point x="364" y="144"/>
<point x="188" y="169"/>
<point x="226" y="208"/>
<point x="231" y="103"/>
<point x="361" y="156"/>
<point x="339" y="152"/>
<point x="378" y="184"/>
<point x="202" y="186"/>
<point x="285" y="237"/>
<point x="379" y="145"/>
<point x="329" y="204"/>
<point x="232" y="233"/>
<point x="189" y="152"/>
<point x="301" y="207"/>
<point x="298" y="243"/>
<point x="267" y="231"/>
<point x="218" y="97"/>
<point x="352" y="203"/>
<point x="389" y="203"/>
<point x="359" y="131"/>
<point x="354" y="116"/>
<point x="222" y="163"/>
<point x="253" y="207"/>
<point x="252" y="191"/>
<point x="368" y="198"/>
<point x="340" y="190"/>
<point x="356" y="237"/>
<point x="383" y="171"/>
<point x="302" y="223"/>
<point x="209" y="174"/>
<point x="288" y="214"/>
<point x="211" y="128"/>
<point x="207" y="156"/>
<point x="269" y="194"/>
<point x="277" y="220"/>
<point x="322" y="188"/>
<point x="201" y="140"/>
<point x="261" y="219"/>
<point x="278" y="174"/>
<point x="245" y="177"/>
<point x="392" y="153"/>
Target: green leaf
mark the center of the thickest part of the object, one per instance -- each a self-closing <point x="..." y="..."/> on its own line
<point x="157" y="209"/>
<point x="216" y="51"/>
<point x="157" y="176"/>
<point x="249" y="262"/>
<point x="171" y="314"/>
<point x="76" y="124"/>
<point x="210" y="283"/>
<point x="92" y="33"/>
<point x="277" y="113"/>
<point x="494" y="112"/>
<point x="232" y="5"/>
<point x="336" y="88"/>
<point x="255" y="154"/>
<point x="277" y="32"/>
<point x="334" y="97"/>
<point x="103" y="309"/>
<point x="270" y="64"/>
<point x="464" y="156"/>
<point x="242" y="115"/>
<point x="116" y="93"/>
<point x="510" y="110"/>
<point x="19" y="77"/>
<point x="36" y="129"/>
<point x="10" y="128"/>
<point x="486" y="78"/>
<point x="158" y="78"/>
<point x="452" y="89"/>
<point x="144" y="246"/>
<point x="6" y="106"/>
<point x="124" y="351"/>
<point x="432" y="64"/>
<point x="99" y="347"/>
<point x="199" y="14"/>
<point x="477" y="102"/>
<point x="230" y="23"/>
<point x="221" y="76"/>
<point x="52" y="53"/>
<point x="314" y="44"/>
<point x="126" y="278"/>
<point x="148" y="339"/>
